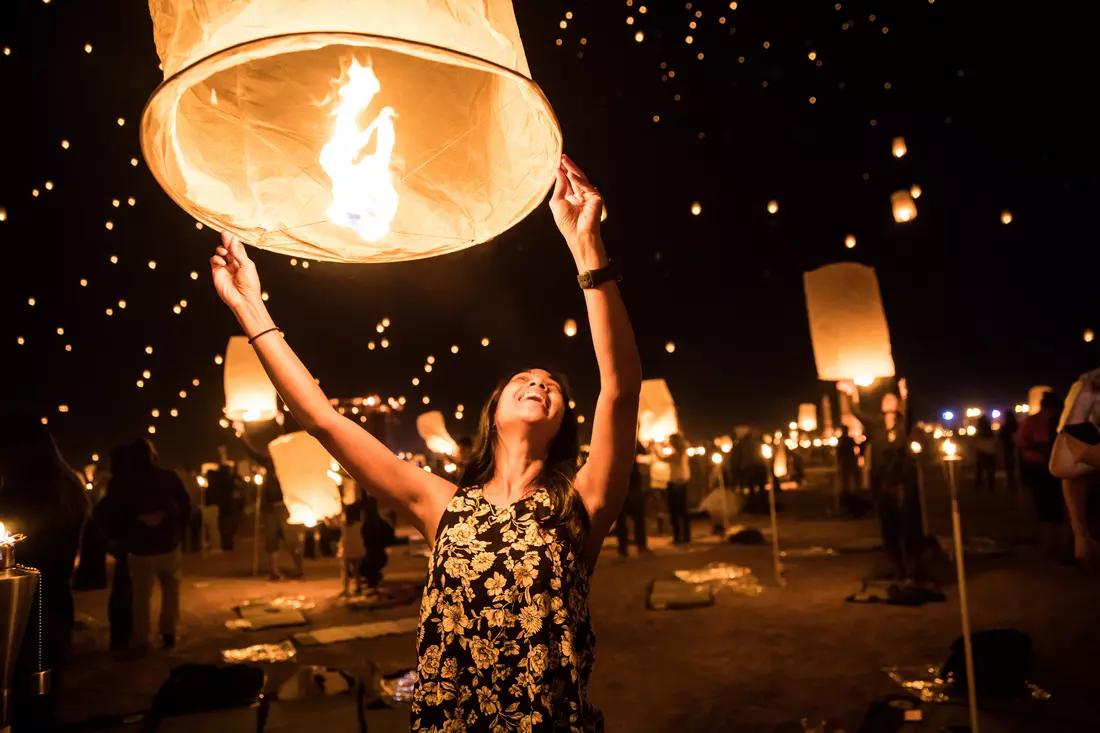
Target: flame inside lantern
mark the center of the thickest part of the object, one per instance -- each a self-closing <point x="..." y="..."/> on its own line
<point x="363" y="196"/>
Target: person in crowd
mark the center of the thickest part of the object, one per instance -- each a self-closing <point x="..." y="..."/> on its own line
<point x="352" y="547"/>
<point x="1007" y="436"/>
<point x="633" y="510"/>
<point x="893" y="477"/>
<point x="848" y="473"/>
<point x="1035" y="439"/>
<point x="148" y="509"/>
<point x="377" y="535"/>
<point x="42" y="498"/>
<point x="678" y="477"/>
<point x="224" y="491"/>
<point x="120" y="602"/>
<point x="1081" y="432"/>
<point x="985" y="455"/>
<point x="277" y="531"/>
<point x="752" y="469"/>
<point x="211" y="532"/>
<point x="192" y="538"/>
<point x="505" y="637"/>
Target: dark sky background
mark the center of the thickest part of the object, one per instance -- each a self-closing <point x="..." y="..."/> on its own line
<point x="992" y="103"/>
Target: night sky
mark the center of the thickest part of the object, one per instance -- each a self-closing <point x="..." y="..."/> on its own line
<point x="992" y="105"/>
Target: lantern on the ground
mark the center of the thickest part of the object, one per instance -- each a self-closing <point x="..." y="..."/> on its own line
<point x="366" y="131"/>
<point x="903" y="206"/>
<point x="433" y="430"/>
<point x="848" y="323"/>
<point x="302" y="465"/>
<point x="249" y="394"/>
<point x="807" y="417"/>
<point x="656" y="412"/>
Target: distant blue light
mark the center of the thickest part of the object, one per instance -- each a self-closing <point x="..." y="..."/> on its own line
<point x="948" y="415"/>
<point x="995" y="414"/>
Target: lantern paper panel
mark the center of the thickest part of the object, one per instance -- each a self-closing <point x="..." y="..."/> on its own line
<point x="433" y="429"/>
<point x="656" y="412"/>
<point x="848" y="323"/>
<point x="1035" y="397"/>
<point x="807" y="417"/>
<point x="302" y="465"/>
<point x="779" y="465"/>
<point x="349" y="130"/>
<point x="249" y="394"/>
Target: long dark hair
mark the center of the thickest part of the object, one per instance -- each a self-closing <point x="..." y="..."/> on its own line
<point x="558" y="472"/>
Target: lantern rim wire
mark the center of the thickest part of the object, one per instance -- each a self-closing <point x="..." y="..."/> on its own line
<point x="389" y="43"/>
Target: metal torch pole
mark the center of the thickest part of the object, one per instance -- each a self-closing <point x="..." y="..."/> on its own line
<point x="964" y="610"/>
<point x="779" y="579"/>
<point x="256" y="538"/>
<point x="920" y="492"/>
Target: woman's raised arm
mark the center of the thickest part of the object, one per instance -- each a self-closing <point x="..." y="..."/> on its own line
<point x="372" y="465"/>
<point x="605" y="478"/>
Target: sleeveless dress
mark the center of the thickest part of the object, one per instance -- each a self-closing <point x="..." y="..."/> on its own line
<point x="505" y="641"/>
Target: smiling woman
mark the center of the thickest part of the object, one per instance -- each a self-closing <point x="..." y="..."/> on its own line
<point x="505" y="641"/>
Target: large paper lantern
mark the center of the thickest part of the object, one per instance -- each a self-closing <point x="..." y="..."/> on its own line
<point x="249" y="394"/>
<point x="1035" y="397"/>
<point x="807" y="417"/>
<point x="656" y="412"/>
<point x="847" y="323"/>
<point x="433" y="430"/>
<point x="903" y="206"/>
<point x="349" y="130"/>
<point x="303" y="466"/>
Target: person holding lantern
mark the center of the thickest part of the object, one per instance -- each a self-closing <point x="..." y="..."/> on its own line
<point x="505" y="640"/>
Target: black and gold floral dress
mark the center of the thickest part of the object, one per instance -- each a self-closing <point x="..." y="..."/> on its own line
<point x="505" y="640"/>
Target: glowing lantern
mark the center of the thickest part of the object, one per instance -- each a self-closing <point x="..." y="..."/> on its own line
<point x="370" y="131"/>
<point x="433" y="430"/>
<point x="249" y="394"/>
<point x="847" y="323"/>
<point x="696" y="208"/>
<point x="302" y="465"/>
<point x="570" y="328"/>
<point x="807" y="417"/>
<point x="898" y="145"/>
<point x="1006" y="217"/>
<point x="915" y="191"/>
<point x="670" y="347"/>
<point x="656" y="412"/>
<point x="779" y="467"/>
<point x="905" y="208"/>
<point x="1089" y="336"/>
<point x="850" y="241"/>
<point x="773" y="206"/>
<point x="1035" y="396"/>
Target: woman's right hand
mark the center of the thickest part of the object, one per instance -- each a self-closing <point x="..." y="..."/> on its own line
<point x="234" y="274"/>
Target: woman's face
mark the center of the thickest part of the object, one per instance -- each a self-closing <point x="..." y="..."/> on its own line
<point x="531" y="398"/>
<point x="889" y="403"/>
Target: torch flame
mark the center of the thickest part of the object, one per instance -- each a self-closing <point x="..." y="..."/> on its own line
<point x="363" y="196"/>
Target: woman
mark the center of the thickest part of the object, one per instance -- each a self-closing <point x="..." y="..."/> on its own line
<point x="1035" y="439"/>
<point x="41" y="497"/>
<point x="679" y="475"/>
<point x="504" y="641"/>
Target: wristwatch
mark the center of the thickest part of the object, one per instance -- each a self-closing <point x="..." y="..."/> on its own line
<point x="595" y="278"/>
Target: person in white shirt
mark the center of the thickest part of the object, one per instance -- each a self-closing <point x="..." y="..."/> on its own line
<point x="679" y="475"/>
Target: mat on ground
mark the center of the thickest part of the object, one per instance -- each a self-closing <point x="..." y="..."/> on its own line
<point x="337" y="634"/>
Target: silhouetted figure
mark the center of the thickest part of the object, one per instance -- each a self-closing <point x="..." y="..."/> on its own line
<point x="277" y="530"/>
<point x="1007" y="436"/>
<point x="120" y="603"/>
<point x="985" y="455"/>
<point x="148" y="509"/>
<point x="751" y="470"/>
<point x="223" y="491"/>
<point x="1035" y="439"/>
<point x="42" y="498"/>
<point x="633" y="510"/>
<point x="678" y="476"/>
<point x="847" y="466"/>
<point x="378" y="534"/>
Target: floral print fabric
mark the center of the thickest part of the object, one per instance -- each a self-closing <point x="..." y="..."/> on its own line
<point x="505" y="641"/>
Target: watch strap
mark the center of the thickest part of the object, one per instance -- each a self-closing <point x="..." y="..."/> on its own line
<point x="595" y="278"/>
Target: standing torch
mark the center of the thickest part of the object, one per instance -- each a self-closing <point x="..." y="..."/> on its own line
<point x="18" y="585"/>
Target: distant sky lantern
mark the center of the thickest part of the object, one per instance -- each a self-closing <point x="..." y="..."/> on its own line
<point x="696" y="208"/>
<point x="484" y="342"/>
<point x="670" y="347"/>
<point x="249" y="394"/>
<point x="904" y="207"/>
<point x="433" y="430"/>
<point x="773" y="206"/>
<point x="915" y="191"/>
<point x="850" y="241"/>
<point x="656" y="412"/>
<point x="807" y="417"/>
<point x="302" y="466"/>
<point x="847" y="323"/>
<point x="1006" y="217"/>
<point x="371" y="131"/>
<point x="1089" y="336"/>
<point x="570" y="327"/>
<point x="898" y="146"/>
<point x="454" y="349"/>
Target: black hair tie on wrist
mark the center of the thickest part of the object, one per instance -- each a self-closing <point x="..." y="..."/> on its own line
<point x="262" y="333"/>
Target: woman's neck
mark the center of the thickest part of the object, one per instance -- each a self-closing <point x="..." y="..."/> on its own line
<point x="518" y="464"/>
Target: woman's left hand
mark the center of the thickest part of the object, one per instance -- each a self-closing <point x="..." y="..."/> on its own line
<point x="576" y="204"/>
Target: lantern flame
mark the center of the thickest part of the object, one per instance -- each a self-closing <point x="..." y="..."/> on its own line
<point x="363" y="196"/>
<point x="7" y="538"/>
